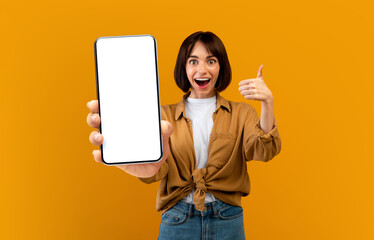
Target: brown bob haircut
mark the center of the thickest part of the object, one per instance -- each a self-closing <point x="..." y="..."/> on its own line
<point x="215" y="46"/>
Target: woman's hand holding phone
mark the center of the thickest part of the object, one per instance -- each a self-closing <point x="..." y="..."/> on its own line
<point x="138" y="170"/>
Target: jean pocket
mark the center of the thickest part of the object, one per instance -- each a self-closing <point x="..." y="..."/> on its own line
<point x="230" y="212"/>
<point x="173" y="217"/>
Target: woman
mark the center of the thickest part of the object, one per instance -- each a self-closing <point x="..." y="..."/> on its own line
<point x="207" y="142"/>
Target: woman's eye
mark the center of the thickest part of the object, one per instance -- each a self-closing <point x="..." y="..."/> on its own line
<point x="193" y="62"/>
<point x="212" y="61"/>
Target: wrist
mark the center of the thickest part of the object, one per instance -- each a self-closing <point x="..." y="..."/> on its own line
<point x="268" y="102"/>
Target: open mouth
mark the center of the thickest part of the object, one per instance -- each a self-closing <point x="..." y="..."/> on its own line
<point x="202" y="82"/>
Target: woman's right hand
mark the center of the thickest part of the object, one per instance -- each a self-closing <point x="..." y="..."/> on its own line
<point x="137" y="170"/>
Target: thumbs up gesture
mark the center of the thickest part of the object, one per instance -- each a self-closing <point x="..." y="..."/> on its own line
<point x="256" y="89"/>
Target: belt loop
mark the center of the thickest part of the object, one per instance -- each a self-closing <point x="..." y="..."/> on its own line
<point x="190" y="211"/>
<point x="214" y="206"/>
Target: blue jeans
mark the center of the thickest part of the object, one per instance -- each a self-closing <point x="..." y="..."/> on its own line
<point x="218" y="221"/>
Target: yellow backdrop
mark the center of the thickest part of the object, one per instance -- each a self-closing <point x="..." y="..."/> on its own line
<point x="317" y="57"/>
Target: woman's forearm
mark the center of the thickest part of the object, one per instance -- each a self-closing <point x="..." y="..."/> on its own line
<point x="267" y="116"/>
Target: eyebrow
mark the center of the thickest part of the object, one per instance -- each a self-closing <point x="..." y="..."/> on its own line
<point x="193" y="56"/>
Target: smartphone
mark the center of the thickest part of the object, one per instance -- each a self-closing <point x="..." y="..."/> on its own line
<point x="129" y="99"/>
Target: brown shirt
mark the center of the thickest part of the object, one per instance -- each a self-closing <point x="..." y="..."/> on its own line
<point x="236" y="137"/>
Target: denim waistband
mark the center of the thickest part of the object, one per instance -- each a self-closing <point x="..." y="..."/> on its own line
<point x="211" y="207"/>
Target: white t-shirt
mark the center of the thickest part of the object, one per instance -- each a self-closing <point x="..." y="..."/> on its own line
<point x="200" y="112"/>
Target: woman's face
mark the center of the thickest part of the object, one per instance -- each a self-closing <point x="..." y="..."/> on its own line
<point x="202" y="71"/>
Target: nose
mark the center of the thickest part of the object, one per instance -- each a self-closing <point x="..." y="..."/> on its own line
<point x="201" y="69"/>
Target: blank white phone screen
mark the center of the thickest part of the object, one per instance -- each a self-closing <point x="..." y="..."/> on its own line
<point x="127" y="84"/>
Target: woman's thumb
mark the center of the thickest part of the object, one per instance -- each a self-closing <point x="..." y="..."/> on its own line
<point x="166" y="129"/>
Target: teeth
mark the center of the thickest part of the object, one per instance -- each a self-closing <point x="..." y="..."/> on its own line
<point x="201" y="79"/>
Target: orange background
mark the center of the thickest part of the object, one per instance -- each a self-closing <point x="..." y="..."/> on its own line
<point x="317" y="58"/>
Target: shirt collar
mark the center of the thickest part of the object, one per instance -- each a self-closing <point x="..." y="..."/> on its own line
<point x="221" y="102"/>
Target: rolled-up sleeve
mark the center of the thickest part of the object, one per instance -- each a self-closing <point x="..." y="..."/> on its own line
<point x="258" y="145"/>
<point x="162" y="172"/>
